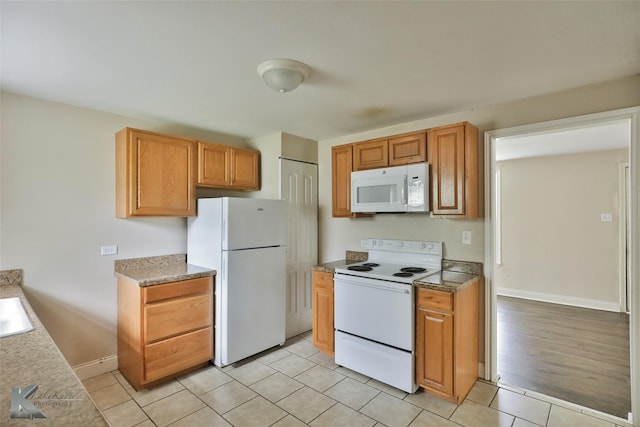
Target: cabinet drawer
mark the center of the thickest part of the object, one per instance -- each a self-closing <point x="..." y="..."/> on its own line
<point x="322" y="279"/>
<point x="173" y="355"/>
<point x="177" y="289"/>
<point x="171" y="317"/>
<point x="438" y="300"/>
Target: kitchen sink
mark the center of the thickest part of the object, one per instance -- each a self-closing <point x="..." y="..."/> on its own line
<point x="13" y="318"/>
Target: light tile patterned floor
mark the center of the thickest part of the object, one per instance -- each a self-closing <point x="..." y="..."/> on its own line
<point x="295" y="385"/>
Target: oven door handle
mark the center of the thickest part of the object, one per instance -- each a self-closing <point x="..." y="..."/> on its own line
<point x="381" y="287"/>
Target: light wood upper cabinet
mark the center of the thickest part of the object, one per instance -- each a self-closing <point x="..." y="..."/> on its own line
<point x="453" y="155"/>
<point x="406" y="149"/>
<point x="447" y="341"/>
<point x="221" y="166"/>
<point x="341" y="167"/>
<point x="155" y="174"/>
<point x="323" y="329"/>
<point x="164" y="330"/>
<point x="371" y="154"/>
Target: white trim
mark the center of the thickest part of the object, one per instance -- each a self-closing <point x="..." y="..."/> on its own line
<point x="96" y="367"/>
<point x="623" y="206"/>
<point x="632" y="115"/>
<point x="560" y="299"/>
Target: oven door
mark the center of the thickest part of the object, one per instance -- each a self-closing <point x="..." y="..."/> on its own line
<point x="377" y="310"/>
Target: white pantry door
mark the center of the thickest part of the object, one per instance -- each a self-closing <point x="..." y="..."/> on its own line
<point x="299" y="187"/>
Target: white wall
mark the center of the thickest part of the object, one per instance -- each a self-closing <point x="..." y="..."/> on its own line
<point x="58" y="207"/>
<point x="554" y="246"/>
<point x="340" y="234"/>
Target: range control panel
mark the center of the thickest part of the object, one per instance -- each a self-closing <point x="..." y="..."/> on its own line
<point x="410" y="246"/>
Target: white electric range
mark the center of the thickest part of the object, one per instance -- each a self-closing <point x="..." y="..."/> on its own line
<point x="374" y="309"/>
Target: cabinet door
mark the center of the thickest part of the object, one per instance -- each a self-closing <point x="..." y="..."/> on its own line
<point x="214" y="165"/>
<point x="155" y="175"/>
<point x="454" y="170"/>
<point x="341" y="167"/>
<point x="408" y="149"/>
<point x="323" y="329"/>
<point x="434" y="350"/>
<point x="244" y="169"/>
<point x="371" y="154"/>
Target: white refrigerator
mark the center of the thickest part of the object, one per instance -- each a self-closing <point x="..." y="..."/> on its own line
<point x="244" y="241"/>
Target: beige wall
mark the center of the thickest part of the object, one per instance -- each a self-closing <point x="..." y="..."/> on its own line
<point x="554" y="246"/>
<point x="58" y="208"/>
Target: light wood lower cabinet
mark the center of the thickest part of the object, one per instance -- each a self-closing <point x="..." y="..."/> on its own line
<point x="447" y="341"/>
<point x="164" y="330"/>
<point x="323" y="329"/>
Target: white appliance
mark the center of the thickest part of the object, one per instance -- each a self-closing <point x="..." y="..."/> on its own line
<point x="374" y="309"/>
<point x="244" y="241"/>
<point x="395" y="189"/>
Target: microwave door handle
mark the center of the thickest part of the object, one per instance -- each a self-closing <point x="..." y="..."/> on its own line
<point x="403" y="192"/>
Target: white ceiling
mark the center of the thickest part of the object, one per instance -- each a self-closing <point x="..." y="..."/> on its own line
<point x="373" y="63"/>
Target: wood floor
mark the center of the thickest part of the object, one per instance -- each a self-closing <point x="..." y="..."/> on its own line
<point x="575" y="354"/>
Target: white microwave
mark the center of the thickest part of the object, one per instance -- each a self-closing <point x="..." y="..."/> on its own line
<point x="395" y="189"/>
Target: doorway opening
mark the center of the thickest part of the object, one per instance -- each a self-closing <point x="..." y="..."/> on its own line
<point x="520" y="284"/>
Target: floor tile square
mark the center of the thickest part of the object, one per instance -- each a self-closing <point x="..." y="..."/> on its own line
<point x="521" y="406"/>
<point x="290" y="421"/>
<point x="98" y="382"/>
<point x="352" y="393"/>
<point x="427" y="419"/>
<point x="292" y="365"/>
<point x="276" y="387"/>
<point x="519" y="422"/>
<point x="391" y="411"/>
<point x="172" y="408"/>
<point x="302" y="347"/>
<point x="352" y="374"/>
<point x="204" y="417"/>
<point x="110" y="396"/>
<point x="395" y="392"/>
<point x="431" y="403"/>
<point x="228" y="396"/>
<point x="319" y="378"/>
<point x="340" y="415"/>
<point x="201" y="381"/>
<point x="255" y="413"/>
<point x="471" y="414"/>
<point x="251" y="372"/>
<point x="126" y="414"/>
<point x="482" y="393"/>
<point x="324" y="360"/>
<point x="122" y="380"/>
<point x="149" y="395"/>
<point x="272" y="355"/>
<point x="562" y="417"/>
<point x="306" y="404"/>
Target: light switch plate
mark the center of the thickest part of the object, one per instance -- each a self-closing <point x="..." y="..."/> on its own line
<point x="466" y="237"/>
<point x="109" y="250"/>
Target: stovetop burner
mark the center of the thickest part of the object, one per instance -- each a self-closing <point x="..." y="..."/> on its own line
<point x="413" y="269"/>
<point x="371" y="264"/>
<point x="403" y="274"/>
<point x="362" y="267"/>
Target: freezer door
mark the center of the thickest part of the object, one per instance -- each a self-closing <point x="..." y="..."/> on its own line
<point x="253" y="223"/>
<point x="252" y="303"/>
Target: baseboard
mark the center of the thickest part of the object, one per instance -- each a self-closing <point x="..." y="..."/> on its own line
<point x="560" y="299"/>
<point x="96" y="367"/>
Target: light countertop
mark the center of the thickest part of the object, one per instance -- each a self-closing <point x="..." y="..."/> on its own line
<point x="158" y="270"/>
<point x="32" y="358"/>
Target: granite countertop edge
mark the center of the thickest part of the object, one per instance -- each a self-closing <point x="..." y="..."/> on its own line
<point x="149" y="271"/>
<point x="32" y="358"/>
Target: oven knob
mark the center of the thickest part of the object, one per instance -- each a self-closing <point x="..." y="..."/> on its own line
<point x="430" y="246"/>
<point x="400" y="244"/>
<point x="380" y="243"/>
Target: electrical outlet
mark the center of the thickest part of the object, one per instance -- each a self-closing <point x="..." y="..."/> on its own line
<point x="606" y="217"/>
<point x="109" y="250"/>
<point x="466" y="237"/>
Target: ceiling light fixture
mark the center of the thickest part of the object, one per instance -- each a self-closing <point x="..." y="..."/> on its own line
<point x="283" y="75"/>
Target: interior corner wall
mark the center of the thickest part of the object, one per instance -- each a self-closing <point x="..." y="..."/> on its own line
<point x="57" y="178"/>
<point x="554" y="245"/>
